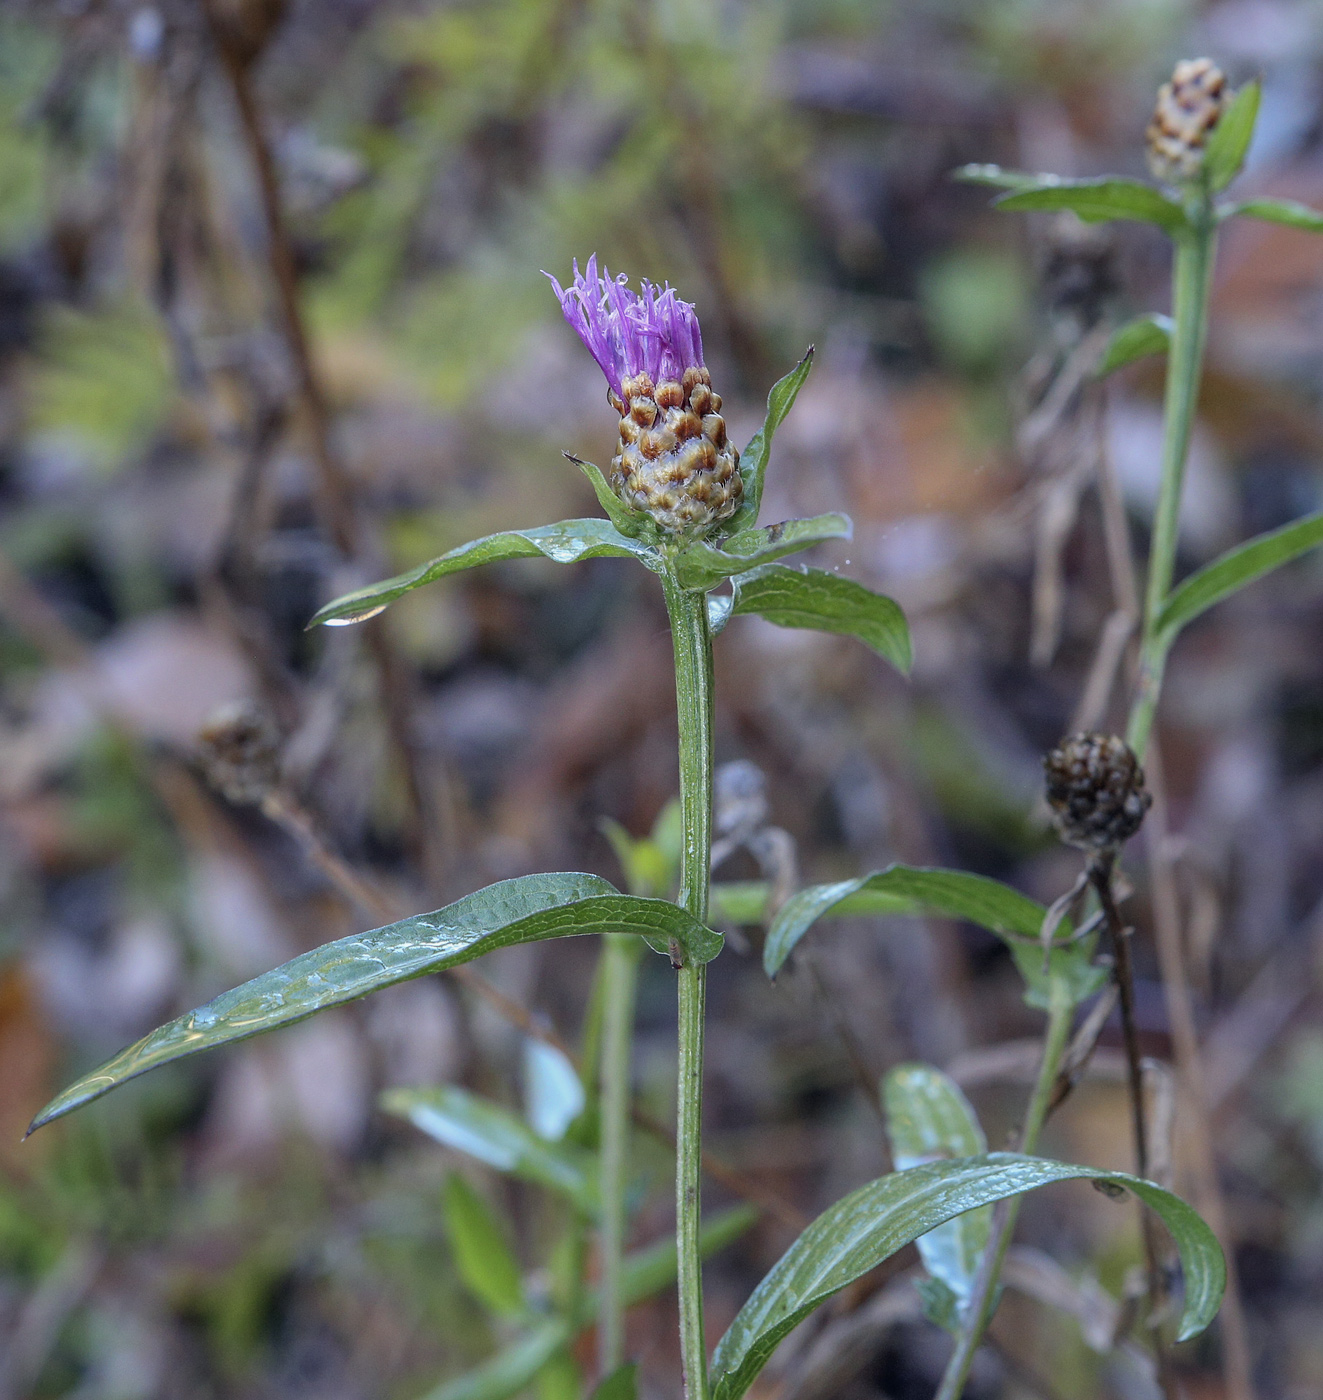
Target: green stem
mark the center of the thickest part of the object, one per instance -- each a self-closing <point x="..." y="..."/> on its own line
<point x="1191" y="277"/>
<point x="693" y="693"/>
<point x="982" y="1302"/>
<point x="620" y="957"/>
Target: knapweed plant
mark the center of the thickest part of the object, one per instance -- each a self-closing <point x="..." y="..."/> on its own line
<point x="682" y="502"/>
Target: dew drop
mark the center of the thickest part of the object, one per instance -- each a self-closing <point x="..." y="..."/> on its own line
<point x="353" y="618"/>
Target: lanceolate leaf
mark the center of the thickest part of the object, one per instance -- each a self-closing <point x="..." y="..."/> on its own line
<point x="565" y="542"/>
<point x="1278" y="211"/>
<point x="1225" y="152"/>
<point x="930" y="1120"/>
<point x="825" y="602"/>
<point x="907" y="889"/>
<point x="1098" y="200"/>
<point x="869" y="1225"/>
<point x="523" y="910"/>
<point x="494" y="1135"/>
<point x="904" y="889"/>
<point x="704" y="566"/>
<point x="1145" y="335"/>
<point x="753" y="461"/>
<point x="481" y="1252"/>
<point x="507" y="1373"/>
<point x="1236" y="569"/>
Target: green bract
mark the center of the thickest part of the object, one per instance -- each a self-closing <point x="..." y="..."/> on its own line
<point x="753" y="461"/>
<point x="1225" y="152"/>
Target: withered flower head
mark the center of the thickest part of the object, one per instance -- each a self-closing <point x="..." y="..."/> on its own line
<point x="674" y="461"/>
<point x="1095" y="788"/>
<point x="1189" y="107"/>
<point x="239" y="749"/>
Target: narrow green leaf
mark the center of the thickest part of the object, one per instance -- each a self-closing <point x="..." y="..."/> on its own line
<point x="907" y="889"/>
<point x="481" y="1251"/>
<point x="1145" y="335"/>
<point x="825" y="602"/>
<point x="857" y="1233"/>
<point x="753" y="460"/>
<point x="1097" y="200"/>
<point x="930" y="1120"/>
<point x="507" y="1373"/>
<point x="1002" y="179"/>
<point x="1225" y="152"/>
<point x="565" y="542"/>
<point x="629" y="522"/>
<point x="492" y="1134"/>
<point x="1277" y="211"/>
<point x="524" y="910"/>
<point x="622" y="1384"/>
<point x="703" y="566"/>
<point x="1236" y="569"/>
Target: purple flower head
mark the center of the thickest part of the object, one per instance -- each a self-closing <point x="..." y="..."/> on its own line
<point x="629" y="333"/>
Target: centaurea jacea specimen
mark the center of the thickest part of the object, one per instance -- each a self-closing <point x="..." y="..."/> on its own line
<point x="696" y="529"/>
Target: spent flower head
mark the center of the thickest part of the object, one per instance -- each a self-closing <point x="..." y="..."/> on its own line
<point x="675" y="462"/>
<point x="1188" y="108"/>
<point x="1095" y="788"/>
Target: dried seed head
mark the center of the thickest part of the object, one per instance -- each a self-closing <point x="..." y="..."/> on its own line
<point x="1189" y="107"/>
<point x="674" y="461"/>
<point x="1095" y="788"/>
<point x="239" y="748"/>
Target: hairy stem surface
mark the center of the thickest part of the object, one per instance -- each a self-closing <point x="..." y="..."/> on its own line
<point x="979" y="1311"/>
<point x="693" y="694"/>
<point x="619" y="979"/>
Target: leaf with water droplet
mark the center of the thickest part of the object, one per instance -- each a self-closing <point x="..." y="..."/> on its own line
<point x="565" y="542"/>
<point x="524" y="910"/>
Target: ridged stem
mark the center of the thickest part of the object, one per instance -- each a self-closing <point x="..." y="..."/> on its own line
<point x="692" y="640"/>
<point x="979" y="1312"/>
<point x="620" y="956"/>
<point x="1191" y="278"/>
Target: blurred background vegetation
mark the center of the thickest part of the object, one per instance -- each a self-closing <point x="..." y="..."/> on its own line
<point x="180" y="487"/>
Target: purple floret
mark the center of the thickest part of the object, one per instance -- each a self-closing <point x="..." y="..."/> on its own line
<point x="628" y="333"/>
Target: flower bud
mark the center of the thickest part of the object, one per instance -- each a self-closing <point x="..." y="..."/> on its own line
<point x="675" y="462"/>
<point x="1189" y="107"/>
<point x="1095" y="788"/>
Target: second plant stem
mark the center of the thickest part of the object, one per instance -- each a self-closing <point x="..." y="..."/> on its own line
<point x="1191" y="275"/>
<point x="692" y="640"/>
<point x="982" y="1300"/>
